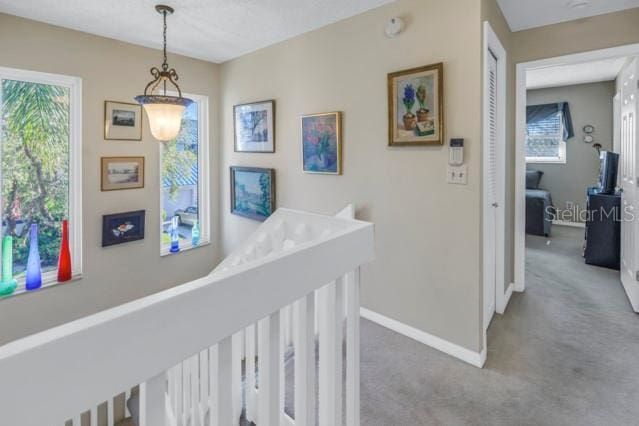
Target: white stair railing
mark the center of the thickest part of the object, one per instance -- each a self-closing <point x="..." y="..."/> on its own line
<point x="183" y="347"/>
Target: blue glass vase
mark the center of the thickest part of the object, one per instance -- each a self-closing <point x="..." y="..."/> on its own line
<point x="175" y="237"/>
<point x="34" y="270"/>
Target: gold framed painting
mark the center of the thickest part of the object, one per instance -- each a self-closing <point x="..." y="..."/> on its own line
<point x="322" y="143"/>
<point x="416" y="106"/>
<point x="122" y="121"/>
<point x="122" y="173"/>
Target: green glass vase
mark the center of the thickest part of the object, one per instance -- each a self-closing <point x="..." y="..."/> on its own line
<point x="8" y="284"/>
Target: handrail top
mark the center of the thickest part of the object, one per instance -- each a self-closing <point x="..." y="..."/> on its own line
<point x="341" y="225"/>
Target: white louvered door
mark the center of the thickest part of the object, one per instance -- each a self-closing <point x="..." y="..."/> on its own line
<point x="628" y="179"/>
<point x="491" y="192"/>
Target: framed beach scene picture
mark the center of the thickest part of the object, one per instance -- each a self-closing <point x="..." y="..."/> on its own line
<point x="252" y="192"/>
<point x="416" y="106"/>
<point x="122" y="173"/>
<point x="254" y="127"/>
<point x="321" y="143"/>
<point x="122" y="121"/>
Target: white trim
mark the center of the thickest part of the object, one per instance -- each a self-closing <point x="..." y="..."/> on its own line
<point x="493" y="46"/>
<point x="476" y="359"/>
<point x="204" y="183"/>
<point x="571" y="224"/>
<point x="520" y="163"/>
<point x="74" y="84"/>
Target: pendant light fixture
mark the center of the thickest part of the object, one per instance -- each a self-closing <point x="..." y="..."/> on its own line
<point x="164" y="112"/>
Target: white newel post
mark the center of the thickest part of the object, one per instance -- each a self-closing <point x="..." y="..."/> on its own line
<point x="352" y="348"/>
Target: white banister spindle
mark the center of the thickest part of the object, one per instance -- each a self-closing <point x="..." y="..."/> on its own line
<point x="305" y="361"/>
<point x="352" y="348"/>
<point x="330" y="355"/>
<point x="223" y="410"/>
<point x="93" y="417"/>
<point x="195" y="391"/>
<point x="268" y="370"/>
<point x="152" y="401"/>
<point x="236" y="377"/>
<point x="251" y="409"/>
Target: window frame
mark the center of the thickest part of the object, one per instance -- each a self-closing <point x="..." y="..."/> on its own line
<point x="203" y="167"/>
<point x="561" y="159"/>
<point x="74" y="84"/>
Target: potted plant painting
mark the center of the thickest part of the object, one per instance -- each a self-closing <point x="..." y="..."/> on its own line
<point x="409" y="101"/>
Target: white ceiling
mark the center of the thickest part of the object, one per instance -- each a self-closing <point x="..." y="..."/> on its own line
<point x="565" y="75"/>
<point x="524" y="14"/>
<point x="214" y="30"/>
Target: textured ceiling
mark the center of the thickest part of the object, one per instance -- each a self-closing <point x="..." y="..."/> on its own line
<point x="214" y="30"/>
<point x="524" y="14"/>
<point x="565" y="75"/>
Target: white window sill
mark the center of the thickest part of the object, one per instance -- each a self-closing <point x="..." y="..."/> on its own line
<point x="545" y="161"/>
<point x="165" y="251"/>
<point x="49" y="279"/>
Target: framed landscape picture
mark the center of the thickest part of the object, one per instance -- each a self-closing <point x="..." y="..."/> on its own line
<point x="254" y="127"/>
<point x="252" y="192"/>
<point x="122" y="121"/>
<point x="122" y="173"/>
<point x="416" y="106"/>
<point x="321" y="143"/>
<point x="122" y="227"/>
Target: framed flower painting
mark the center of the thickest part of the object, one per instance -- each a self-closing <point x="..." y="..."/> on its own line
<point x="416" y="106"/>
<point x="321" y="143"/>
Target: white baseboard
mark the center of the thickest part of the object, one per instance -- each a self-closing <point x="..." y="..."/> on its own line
<point x="476" y="359"/>
<point x="571" y="224"/>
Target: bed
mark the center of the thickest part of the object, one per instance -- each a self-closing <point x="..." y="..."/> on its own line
<point x="539" y="207"/>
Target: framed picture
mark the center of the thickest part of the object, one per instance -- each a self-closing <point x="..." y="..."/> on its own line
<point x="416" y="106"/>
<point x="321" y="143"/>
<point x="122" y="173"/>
<point x="252" y="192"/>
<point x="122" y="227"/>
<point x="254" y="127"/>
<point x="122" y="121"/>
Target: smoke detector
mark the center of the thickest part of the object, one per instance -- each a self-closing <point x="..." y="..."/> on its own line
<point x="394" y="27"/>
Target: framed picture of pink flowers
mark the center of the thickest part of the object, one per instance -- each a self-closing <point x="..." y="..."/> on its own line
<point x="416" y="106"/>
<point x="321" y="143"/>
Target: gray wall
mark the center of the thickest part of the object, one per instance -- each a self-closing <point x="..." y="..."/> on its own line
<point x="589" y="104"/>
<point x="115" y="71"/>
<point x="427" y="269"/>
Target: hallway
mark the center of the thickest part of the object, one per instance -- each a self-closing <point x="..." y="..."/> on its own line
<point x="565" y="353"/>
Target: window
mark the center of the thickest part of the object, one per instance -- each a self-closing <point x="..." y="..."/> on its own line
<point x="185" y="180"/>
<point x="41" y="167"/>
<point x="544" y="141"/>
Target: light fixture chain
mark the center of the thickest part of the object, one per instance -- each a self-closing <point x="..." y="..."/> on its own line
<point x="165" y="65"/>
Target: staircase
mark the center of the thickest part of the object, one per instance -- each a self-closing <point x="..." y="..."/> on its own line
<point x="180" y="353"/>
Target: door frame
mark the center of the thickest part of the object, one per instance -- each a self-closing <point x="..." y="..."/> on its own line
<point x="492" y="45"/>
<point x="520" y="137"/>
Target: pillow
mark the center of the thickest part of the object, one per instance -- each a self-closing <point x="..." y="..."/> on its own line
<point x="533" y="177"/>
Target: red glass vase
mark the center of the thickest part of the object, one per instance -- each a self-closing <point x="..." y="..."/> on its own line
<point x="64" y="260"/>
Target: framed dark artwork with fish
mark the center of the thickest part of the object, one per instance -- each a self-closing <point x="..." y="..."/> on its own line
<point x="121" y="228"/>
<point x="416" y="106"/>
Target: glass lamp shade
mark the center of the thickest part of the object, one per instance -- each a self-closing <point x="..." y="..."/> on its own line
<point x="165" y="114"/>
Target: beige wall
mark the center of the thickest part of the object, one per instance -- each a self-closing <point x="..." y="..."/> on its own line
<point x="115" y="71"/>
<point x="427" y="271"/>
<point x="589" y="104"/>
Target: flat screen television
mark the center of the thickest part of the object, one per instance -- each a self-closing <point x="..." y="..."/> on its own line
<point x="609" y="162"/>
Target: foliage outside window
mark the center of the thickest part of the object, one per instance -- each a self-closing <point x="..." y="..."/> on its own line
<point x="182" y="164"/>
<point x="36" y="168"/>
<point x="544" y="141"/>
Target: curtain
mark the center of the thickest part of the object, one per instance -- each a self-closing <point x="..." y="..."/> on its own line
<point x="537" y="113"/>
